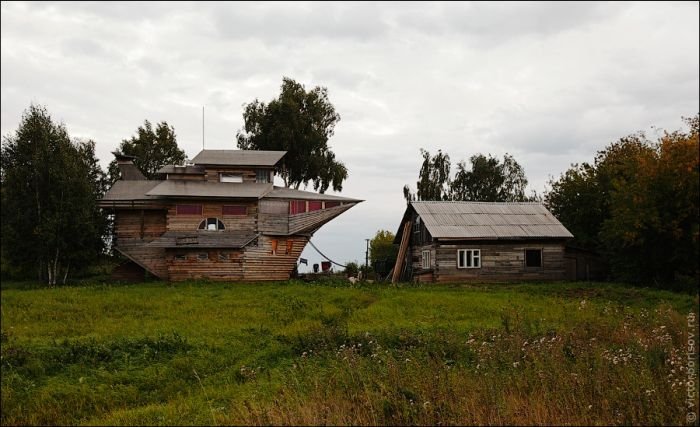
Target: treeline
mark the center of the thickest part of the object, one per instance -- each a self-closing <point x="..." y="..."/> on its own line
<point x="637" y="205"/>
<point x="52" y="227"/>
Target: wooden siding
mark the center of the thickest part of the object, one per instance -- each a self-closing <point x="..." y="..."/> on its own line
<point x="261" y="264"/>
<point x="213" y="268"/>
<point x="502" y="261"/>
<point x="213" y="210"/>
<point x="139" y="224"/>
<point x="273" y="217"/>
<point x="311" y="221"/>
<point x="151" y="259"/>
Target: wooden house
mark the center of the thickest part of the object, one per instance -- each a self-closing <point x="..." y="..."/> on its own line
<point x="478" y="241"/>
<point x="220" y="218"/>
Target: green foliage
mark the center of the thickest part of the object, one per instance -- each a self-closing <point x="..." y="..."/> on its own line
<point x="383" y="249"/>
<point x="299" y="122"/>
<point x="351" y="269"/>
<point x="488" y="180"/>
<point x="304" y="354"/>
<point x="51" y="224"/>
<point x="153" y="150"/>
<point x="638" y="205"/>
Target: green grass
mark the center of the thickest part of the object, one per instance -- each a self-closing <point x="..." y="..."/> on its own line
<point x="299" y="353"/>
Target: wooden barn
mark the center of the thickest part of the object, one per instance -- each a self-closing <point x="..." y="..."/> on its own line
<point x="479" y="241"/>
<point x="220" y="218"/>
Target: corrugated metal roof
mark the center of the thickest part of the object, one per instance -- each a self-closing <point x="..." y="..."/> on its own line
<point x="290" y="193"/>
<point x="182" y="188"/>
<point x="238" y="157"/>
<point x="189" y="169"/>
<point x="203" y="239"/>
<point x="131" y="190"/>
<point x="482" y="220"/>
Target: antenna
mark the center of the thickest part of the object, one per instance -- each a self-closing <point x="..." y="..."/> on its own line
<point x="202" y="127"/>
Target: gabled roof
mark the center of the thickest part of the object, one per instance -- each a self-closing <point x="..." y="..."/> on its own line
<point x="182" y="188"/>
<point x="290" y="193"/>
<point x="238" y="157"/>
<point x="488" y="220"/>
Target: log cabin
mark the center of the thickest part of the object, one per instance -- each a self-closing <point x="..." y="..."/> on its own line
<point x="480" y="242"/>
<point x="218" y="218"/>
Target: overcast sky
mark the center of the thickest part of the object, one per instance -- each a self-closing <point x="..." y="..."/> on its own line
<point x="549" y="83"/>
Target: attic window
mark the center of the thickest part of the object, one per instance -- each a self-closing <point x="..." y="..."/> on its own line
<point x="228" y="177"/>
<point x="211" y="224"/>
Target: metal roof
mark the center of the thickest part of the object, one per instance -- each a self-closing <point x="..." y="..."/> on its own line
<point x="238" y="157"/>
<point x="203" y="239"/>
<point x="489" y="220"/>
<point x="183" y="188"/>
<point x="290" y="193"/>
<point x="131" y="190"/>
<point x="173" y="169"/>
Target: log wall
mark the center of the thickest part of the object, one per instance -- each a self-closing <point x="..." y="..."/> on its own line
<point x="213" y="210"/>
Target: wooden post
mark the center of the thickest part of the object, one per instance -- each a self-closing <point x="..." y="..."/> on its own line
<point x="398" y="268"/>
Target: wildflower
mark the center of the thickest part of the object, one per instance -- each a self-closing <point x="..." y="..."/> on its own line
<point x="515" y="364"/>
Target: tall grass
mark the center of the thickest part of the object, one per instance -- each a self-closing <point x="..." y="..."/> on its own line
<point x="292" y="353"/>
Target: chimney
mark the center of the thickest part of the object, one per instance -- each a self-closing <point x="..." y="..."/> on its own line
<point x="127" y="168"/>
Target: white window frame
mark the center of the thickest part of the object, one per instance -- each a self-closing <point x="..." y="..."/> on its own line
<point x="425" y="256"/>
<point x="475" y="258"/>
<point x="231" y="177"/>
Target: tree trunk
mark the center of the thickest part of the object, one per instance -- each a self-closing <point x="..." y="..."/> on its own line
<point x="65" y="276"/>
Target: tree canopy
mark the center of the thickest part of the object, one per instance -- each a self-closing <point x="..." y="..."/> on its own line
<point x="637" y="204"/>
<point x="301" y="123"/>
<point x="382" y="248"/>
<point x="488" y="180"/>
<point x="153" y="148"/>
<point x="50" y="185"/>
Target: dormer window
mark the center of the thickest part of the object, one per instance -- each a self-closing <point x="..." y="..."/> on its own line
<point x="262" y="176"/>
<point x="230" y="177"/>
<point x="211" y="224"/>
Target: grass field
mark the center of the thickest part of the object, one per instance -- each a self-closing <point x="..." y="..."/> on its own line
<point x="299" y="353"/>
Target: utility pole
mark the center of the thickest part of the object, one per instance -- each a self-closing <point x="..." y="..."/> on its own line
<point x="367" y="259"/>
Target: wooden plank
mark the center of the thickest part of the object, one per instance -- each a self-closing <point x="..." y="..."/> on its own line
<point x="402" y="252"/>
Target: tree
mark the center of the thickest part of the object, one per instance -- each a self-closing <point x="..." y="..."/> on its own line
<point x="299" y="122"/>
<point x="637" y="205"/>
<point x="433" y="178"/>
<point x="382" y="248"/>
<point x="50" y="185"/>
<point x="489" y="180"/>
<point x="153" y="150"/>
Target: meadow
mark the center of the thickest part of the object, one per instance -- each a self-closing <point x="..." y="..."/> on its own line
<point x="331" y="353"/>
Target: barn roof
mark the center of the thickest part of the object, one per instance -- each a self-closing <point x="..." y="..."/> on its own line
<point x="238" y="157"/>
<point x="290" y="193"/>
<point x="182" y="188"/>
<point x="488" y="220"/>
<point x="203" y="239"/>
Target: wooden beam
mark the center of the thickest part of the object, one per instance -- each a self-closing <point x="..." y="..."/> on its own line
<point x="398" y="268"/>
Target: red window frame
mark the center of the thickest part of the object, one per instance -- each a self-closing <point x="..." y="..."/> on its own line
<point x="297" y="207"/>
<point x="188" y="209"/>
<point x="332" y="204"/>
<point x="315" y="206"/>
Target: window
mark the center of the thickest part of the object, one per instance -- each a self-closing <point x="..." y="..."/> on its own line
<point x="229" y="177"/>
<point x="533" y="257"/>
<point x="188" y="209"/>
<point x="297" y="207"/>
<point x="426" y="259"/>
<point x="273" y="243"/>
<point x="416" y="226"/>
<point x="290" y="246"/>
<point x="469" y="258"/>
<point x="223" y="256"/>
<point x="234" y="210"/>
<point x="262" y="175"/>
<point x="180" y="257"/>
<point x="211" y="224"/>
<point x="202" y="256"/>
<point x="315" y="206"/>
<point x="332" y="204"/>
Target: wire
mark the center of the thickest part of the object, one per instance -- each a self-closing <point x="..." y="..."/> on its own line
<point x="317" y="250"/>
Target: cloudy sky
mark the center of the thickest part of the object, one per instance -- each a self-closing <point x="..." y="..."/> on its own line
<point x="548" y="83"/>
